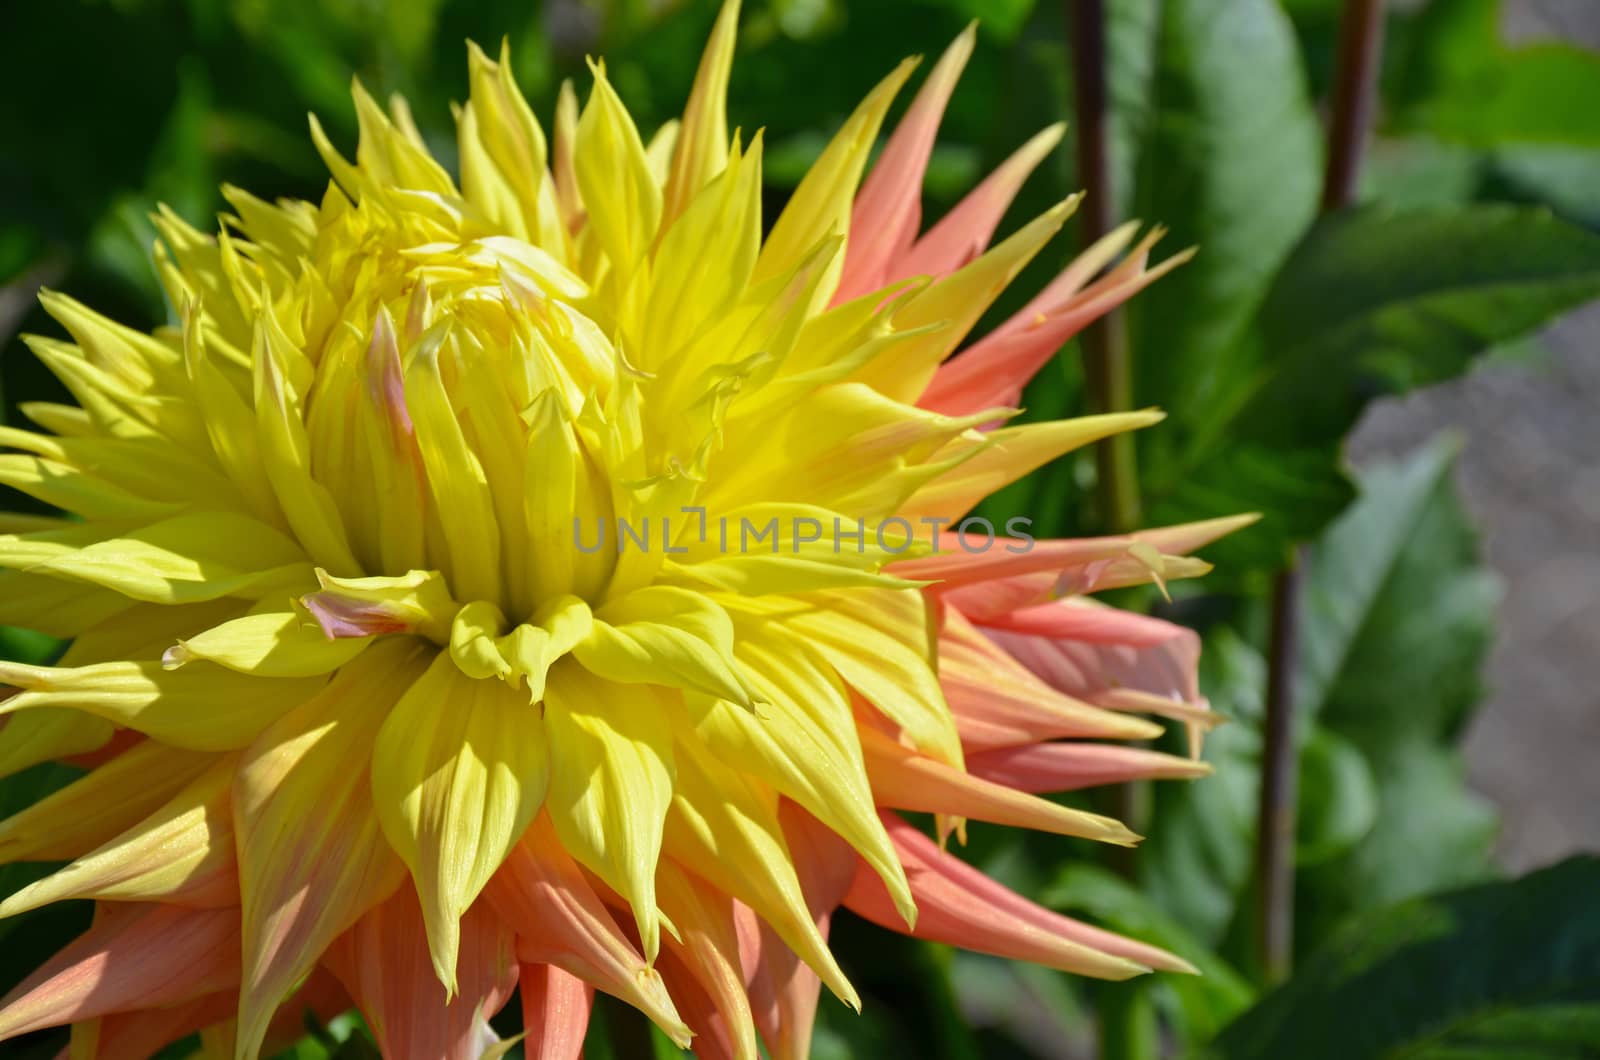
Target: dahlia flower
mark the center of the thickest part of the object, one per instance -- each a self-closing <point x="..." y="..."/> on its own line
<point x="387" y="696"/>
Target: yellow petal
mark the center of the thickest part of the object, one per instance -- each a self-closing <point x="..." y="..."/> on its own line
<point x="724" y="822"/>
<point x="611" y="783"/>
<point x="312" y="858"/>
<point x="802" y="741"/>
<point x="459" y="771"/>
<point x="100" y="806"/>
<point x="35" y="736"/>
<point x="619" y="191"/>
<point x="702" y="143"/>
<point x="666" y="636"/>
<point x="202" y="707"/>
<point x="182" y="853"/>
<point x="201" y="556"/>
<point x="1005" y="455"/>
<point x="879" y="642"/>
<point x="460" y="489"/>
<point x="274" y="644"/>
<point x="820" y="206"/>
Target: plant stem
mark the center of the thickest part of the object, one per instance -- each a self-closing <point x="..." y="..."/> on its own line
<point x="1108" y="362"/>
<point x="1355" y="96"/>
<point x="1107" y="358"/>
<point x="1276" y="809"/>
<point x="1354" y="99"/>
<point x="1126" y="1018"/>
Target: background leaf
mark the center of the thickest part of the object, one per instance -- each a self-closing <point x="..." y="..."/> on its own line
<point x="1506" y="970"/>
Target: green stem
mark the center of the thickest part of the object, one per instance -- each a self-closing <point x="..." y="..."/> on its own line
<point x="1127" y="1020"/>
<point x="1108" y="359"/>
<point x="1354" y="99"/>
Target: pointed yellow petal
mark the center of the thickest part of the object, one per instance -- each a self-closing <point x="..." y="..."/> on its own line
<point x="611" y="783"/>
<point x="703" y="140"/>
<point x="200" y="556"/>
<point x="273" y="644"/>
<point x="879" y="642"/>
<point x="203" y="707"/>
<point x="619" y="191"/>
<point x="100" y="806"/>
<point x="182" y="853"/>
<point x="1005" y="455"/>
<point x="724" y="822"/>
<point x="820" y="206"/>
<point x="312" y="858"/>
<point x="459" y="771"/>
<point x="460" y="489"/>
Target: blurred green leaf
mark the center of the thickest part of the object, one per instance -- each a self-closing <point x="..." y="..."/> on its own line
<point x="1338" y="798"/>
<point x="1202" y="1003"/>
<point x="1507" y="970"/>
<point x="1003" y="18"/>
<point x="1567" y="179"/>
<point x="1461" y="81"/>
<point x="1373" y="301"/>
<point x="1197" y="859"/>
<point x="1231" y="163"/>
<point x="1397" y="620"/>
<point x="1397" y="611"/>
<point x="1421" y="172"/>
<point x="1380" y="301"/>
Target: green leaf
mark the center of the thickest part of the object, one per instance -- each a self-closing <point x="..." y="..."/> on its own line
<point x="1003" y="18"/>
<point x="1396" y="623"/>
<point x="1379" y="301"/>
<point x="1567" y="179"/>
<point x="1373" y="301"/>
<point x="1506" y="970"/>
<point x="1397" y="613"/>
<point x="1338" y="798"/>
<point x="1200" y="1004"/>
<point x="1232" y="163"/>
<point x="1463" y="82"/>
<point x="1197" y="859"/>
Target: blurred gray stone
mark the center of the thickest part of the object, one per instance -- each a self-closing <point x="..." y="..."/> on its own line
<point x="1530" y="479"/>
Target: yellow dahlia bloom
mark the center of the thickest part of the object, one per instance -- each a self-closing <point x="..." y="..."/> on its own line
<point x="536" y="577"/>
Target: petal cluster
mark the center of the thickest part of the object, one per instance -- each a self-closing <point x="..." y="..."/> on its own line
<point x="538" y="577"/>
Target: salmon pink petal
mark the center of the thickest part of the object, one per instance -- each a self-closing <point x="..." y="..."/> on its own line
<point x="964" y="233"/>
<point x="997" y="702"/>
<point x="888" y="209"/>
<point x="134" y="956"/>
<point x="1071" y="765"/>
<point x="559" y="919"/>
<point x="1086" y="650"/>
<point x="783" y="989"/>
<point x="555" y="1012"/>
<point x="963" y="907"/>
<point x="704" y="1012"/>
<point x="144" y="1032"/>
<point x="994" y="370"/>
<point x="384" y="962"/>
<point x="907" y="780"/>
<point x="709" y="983"/>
